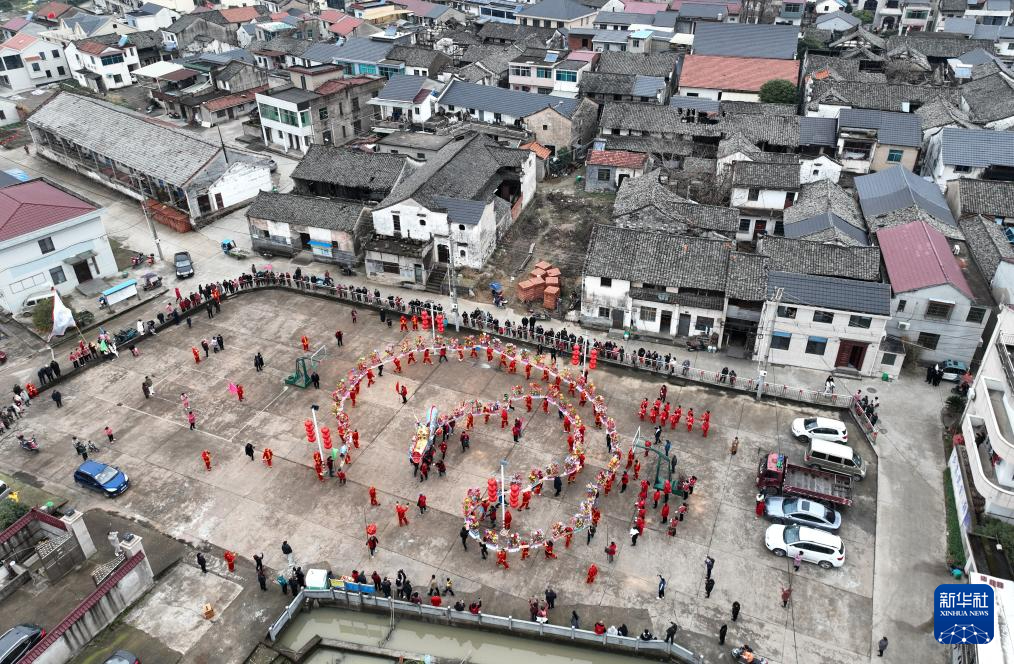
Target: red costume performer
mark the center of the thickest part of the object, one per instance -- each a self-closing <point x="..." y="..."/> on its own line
<point x="306" y="343"/>
<point x="426" y="357"/>
<point x="397" y="365"/>
<point x="503" y="418"/>
<point x="593" y="571"/>
<point x="206" y="457"/>
<point x="402" y="511"/>
<point x="267" y="456"/>
<point x="373" y="496"/>
<point x="548" y="549"/>
<point x="197" y="356"/>
<point x="501" y="559"/>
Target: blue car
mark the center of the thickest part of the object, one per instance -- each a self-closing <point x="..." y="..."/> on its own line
<point x="97" y="476"/>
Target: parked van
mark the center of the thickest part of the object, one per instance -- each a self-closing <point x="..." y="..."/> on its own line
<point x="836" y="458"/>
<point x="29" y="304"/>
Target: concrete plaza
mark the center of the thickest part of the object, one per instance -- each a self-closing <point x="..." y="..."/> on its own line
<point x="249" y="508"/>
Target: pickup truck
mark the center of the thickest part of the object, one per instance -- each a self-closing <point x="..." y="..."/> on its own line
<point x="776" y="476"/>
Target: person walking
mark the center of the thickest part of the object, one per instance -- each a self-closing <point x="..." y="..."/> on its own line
<point x="315" y="379"/>
<point x="249" y="448"/>
<point x="591" y="533"/>
<point x="262" y="580"/>
<point x="882" y="647"/>
<point x="206" y="457"/>
<point x="786" y="596"/>
<point x="735" y="611"/>
<point x="709" y="585"/>
<point x="57" y="398"/>
<point x="550" y="597"/>
<point x="575" y="620"/>
<point x="661" y="586"/>
<point x="448" y="587"/>
<point x="287" y="552"/>
<point x="611" y="552"/>
<point x="109" y="434"/>
<point x="464" y="538"/>
<point x="709" y="563"/>
<point x="796" y="560"/>
<point x="338" y="337"/>
<point x="259" y="362"/>
<point x="202" y="562"/>
<point x="557" y="485"/>
<point x="670" y="632"/>
<point x="722" y="631"/>
<point x="191" y="420"/>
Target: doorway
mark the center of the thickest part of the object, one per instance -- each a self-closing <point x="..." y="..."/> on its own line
<point x="851" y="354"/>
<point x="665" y="322"/>
<point x="82" y="272"/>
<point x="443" y="254"/>
<point x="418" y="274"/>
<point x="683" y="329"/>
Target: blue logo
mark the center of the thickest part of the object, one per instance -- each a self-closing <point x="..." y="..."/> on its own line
<point x="963" y="613"/>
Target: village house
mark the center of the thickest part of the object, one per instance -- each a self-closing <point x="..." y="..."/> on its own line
<point x="27" y="62"/>
<point x="870" y="140"/>
<point x="981" y="154"/>
<point x="606" y="170"/>
<point x="735" y="79"/>
<point x="288" y="224"/>
<point x="556" y="14"/>
<point x="349" y="174"/>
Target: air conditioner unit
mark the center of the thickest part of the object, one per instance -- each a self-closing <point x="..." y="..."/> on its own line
<point x="904" y="325"/>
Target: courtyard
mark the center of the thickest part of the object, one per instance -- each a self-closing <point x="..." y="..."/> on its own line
<point x="249" y="508"/>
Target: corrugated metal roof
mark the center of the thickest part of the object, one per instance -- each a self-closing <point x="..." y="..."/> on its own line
<point x="832" y="293"/>
<point x="977" y="147"/>
<point x="696" y="103"/>
<point x="647" y="86"/>
<point x="402" y="87"/>
<point x="818" y="131"/>
<point x="31" y="206"/>
<point x="355" y="49"/>
<point x="918" y="256"/>
<point x="460" y="210"/>
<point x="747" y="40"/>
<point x="897" y="188"/>
<point x="892" y="128"/>
<point x="500" y="100"/>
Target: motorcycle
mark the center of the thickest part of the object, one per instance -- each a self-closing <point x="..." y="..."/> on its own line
<point x="744" y="655"/>
<point x="697" y="343"/>
<point x="151" y="259"/>
<point x="28" y="444"/>
<point x="138" y="260"/>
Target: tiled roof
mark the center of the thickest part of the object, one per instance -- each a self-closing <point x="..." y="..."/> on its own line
<point x="917" y="256"/>
<point x="402" y="87"/>
<point x="15" y="23"/>
<point x="823" y="67"/>
<point x="240" y="14"/>
<point x="235" y="99"/>
<point x="870" y="94"/>
<point x="818" y="131"/>
<point x="892" y="128"/>
<point x="594" y="82"/>
<point x="344" y="25"/>
<point x="977" y="147"/>
<point x="696" y="103"/>
<point x="653" y="64"/>
<point x="648" y="86"/>
<point x="806" y="257"/>
<point x="353" y="169"/>
<point x="540" y="151"/>
<point x="658" y="258"/>
<point x="748" y="276"/>
<point x="989" y="198"/>
<point x="645" y="203"/>
<point x="937" y="44"/>
<point x="460" y="210"/>
<point x="942" y="113"/>
<point x="897" y="188"/>
<point x="513" y="32"/>
<point x="747" y="40"/>
<point x="19" y="42"/>
<point x="338" y="84"/>
<point x="52" y="10"/>
<point x="762" y="175"/>
<point x="826" y="227"/>
<point x="831" y="293"/>
<point x="312" y="211"/>
<point x="989" y="98"/>
<point x="908" y="215"/>
<point x="558" y="10"/>
<point x="514" y="103"/>
<point x="355" y="49"/>
<point x="730" y="73"/>
<point x="34" y="205"/>
<point x="91" y="47"/>
<point x="839" y="16"/>
<point x="416" y="56"/>
<point x="171" y="155"/>
<point x="987" y="242"/>
<point x="825" y="196"/>
<point x="617" y="158"/>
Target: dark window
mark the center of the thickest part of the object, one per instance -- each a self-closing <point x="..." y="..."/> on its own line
<point x="322" y="113"/>
<point x="816" y="345"/>
<point x="61" y="71"/>
<point x="744" y="225"/>
<point x="603" y="175"/>
<point x="786" y="312"/>
<point x="36" y="67"/>
<point x="901" y="304"/>
<point x="753" y="194"/>
<point x="889" y="359"/>
<point x="46" y="245"/>
<point x="780" y="340"/>
<point x="860" y="321"/>
<point x="603" y="312"/>
<point x="939" y="310"/>
<point x="605" y="282"/>
<point x="929" y="340"/>
<point x="823" y="317"/>
<point x="57" y="275"/>
<point x="703" y="324"/>
<point x="13" y="62"/>
<point x="112" y="59"/>
<point x="962" y="169"/>
<point x="894" y="156"/>
<point x="976" y="315"/>
<point x="56" y="54"/>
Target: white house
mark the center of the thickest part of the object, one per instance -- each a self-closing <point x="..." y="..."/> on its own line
<point x="28" y="62"/>
<point x="957" y="152"/>
<point x="825" y="323"/>
<point x="816" y="168"/>
<point x="151" y="16"/>
<point x="406" y="99"/>
<point x="49" y="238"/>
<point x="761" y="191"/>
<point x="9" y="113"/>
<point x="102" y="67"/>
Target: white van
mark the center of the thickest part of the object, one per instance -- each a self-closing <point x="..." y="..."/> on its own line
<point x="836" y="458"/>
<point x="28" y="306"/>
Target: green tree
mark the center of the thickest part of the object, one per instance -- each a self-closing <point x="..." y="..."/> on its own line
<point x="865" y="16"/>
<point x="778" y="91"/>
<point x="10" y="512"/>
<point x="42" y="315"/>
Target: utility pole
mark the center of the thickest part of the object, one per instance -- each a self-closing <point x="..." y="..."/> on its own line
<point x="762" y="368"/>
<point x="316" y="429"/>
<point x="154" y="233"/>
<point x="453" y="285"/>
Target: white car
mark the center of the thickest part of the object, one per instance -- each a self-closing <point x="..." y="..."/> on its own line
<point x="818" y="547"/>
<point x="806" y="429"/>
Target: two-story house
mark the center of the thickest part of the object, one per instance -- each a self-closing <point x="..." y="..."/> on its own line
<point x="870" y="141"/>
<point x="151" y="16"/>
<point x="450" y="212"/>
<point x="28" y="62"/>
<point x="547" y="72"/>
<point x="761" y="191"/>
<point x="49" y="238"/>
<point x="405" y="101"/>
<point x="334" y="112"/>
<point x="556" y="14"/>
<point x="101" y="67"/>
<point x="957" y="152"/>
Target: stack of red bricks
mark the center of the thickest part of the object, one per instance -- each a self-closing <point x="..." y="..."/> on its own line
<point x="543" y="283"/>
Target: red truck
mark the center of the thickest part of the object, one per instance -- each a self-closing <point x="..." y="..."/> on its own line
<point x="776" y="476"/>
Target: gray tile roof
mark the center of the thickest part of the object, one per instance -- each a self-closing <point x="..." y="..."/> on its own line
<point x="907" y="215"/>
<point x="878" y="96"/>
<point x="652" y="118"/>
<point x="402" y="87"/>
<point x="806" y="257"/>
<point x="461" y="211"/>
<point x="986" y="197"/>
<point x="645" y="203"/>
<point x="937" y="44"/>
<point x="416" y="139"/>
<point x="353" y="169"/>
<point x="417" y="56"/>
<point x="747" y="40"/>
<point x="825" y="196"/>
<point x="648" y="86"/>
<point x="657" y="258"/>
<point x="942" y="113"/>
<point x="654" y="64"/>
<point x="780" y="130"/>
<point x="306" y="211"/>
<point x="514" y="103"/>
<point x="818" y="131"/>
<point x="831" y="293"/>
<point x="989" y="98"/>
<point x="703" y="10"/>
<point x="465" y="169"/>
<point x="748" y="276"/>
<point x="762" y="175"/>
<point x="513" y="32"/>
<point x="696" y="103"/>
<point x="977" y="147"/>
<point x="558" y="10"/>
<point x="355" y="49"/>
<point x="892" y="128"/>
<point x="594" y="82"/>
<point x="622" y="18"/>
<point x="826" y="227"/>
<point x="987" y="243"/>
<point x="897" y="188"/>
<point x="840" y="69"/>
<point x="171" y="155"/>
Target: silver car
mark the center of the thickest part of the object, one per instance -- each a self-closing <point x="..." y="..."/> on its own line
<point x="803" y="512"/>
